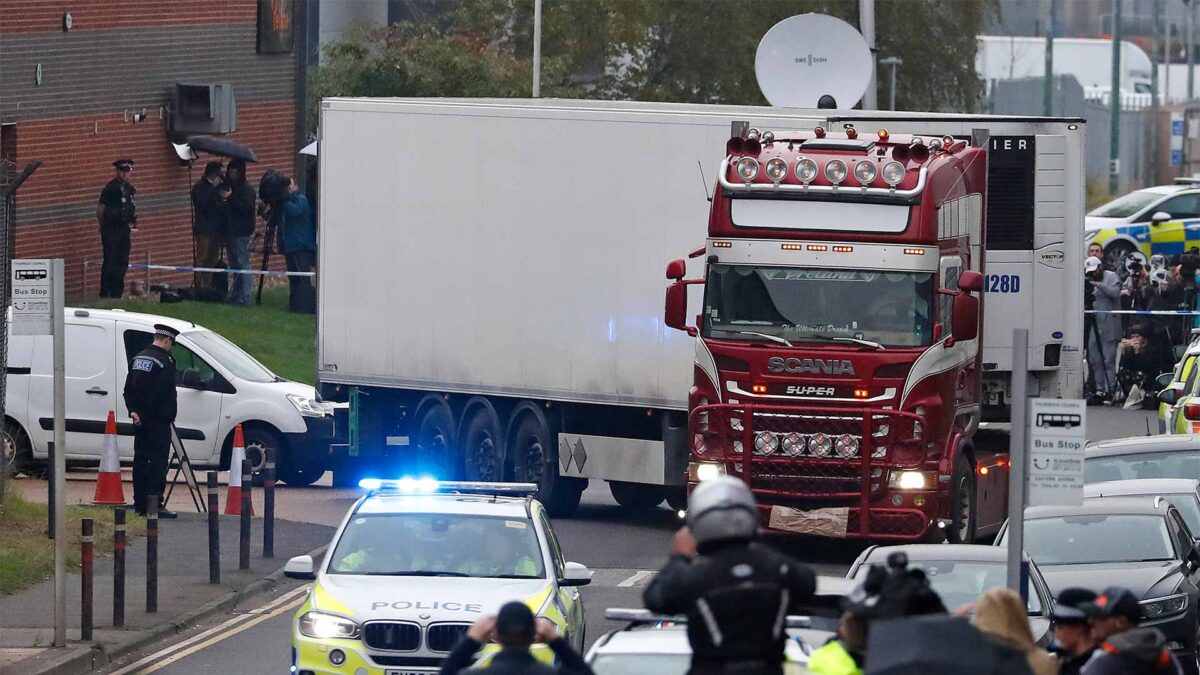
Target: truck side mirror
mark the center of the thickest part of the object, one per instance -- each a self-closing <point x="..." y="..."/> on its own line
<point x="965" y="320"/>
<point x="1159" y="218"/>
<point x="675" y="313"/>
<point x="970" y="281"/>
<point x="676" y="269"/>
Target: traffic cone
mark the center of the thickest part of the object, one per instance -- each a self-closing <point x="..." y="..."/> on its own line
<point x="108" y="483"/>
<point x="233" y="495"/>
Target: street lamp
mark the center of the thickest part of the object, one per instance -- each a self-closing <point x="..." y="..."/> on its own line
<point x="894" y="62"/>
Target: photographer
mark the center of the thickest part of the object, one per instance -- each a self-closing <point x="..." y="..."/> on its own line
<point x="1144" y="355"/>
<point x="1102" y="330"/>
<point x="1135" y="289"/>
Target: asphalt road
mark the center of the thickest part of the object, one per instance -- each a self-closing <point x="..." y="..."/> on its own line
<point x="623" y="547"/>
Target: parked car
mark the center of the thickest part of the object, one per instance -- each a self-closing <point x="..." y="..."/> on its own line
<point x="960" y="573"/>
<point x="218" y="385"/>
<point x="1184" y="494"/>
<point x="1182" y="379"/>
<point x="1141" y="543"/>
<point x="1171" y="456"/>
<point x="1161" y="219"/>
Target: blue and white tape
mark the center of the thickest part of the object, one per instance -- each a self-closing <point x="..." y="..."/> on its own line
<point x="177" y="268"/>
<point x="1149" y="312"/>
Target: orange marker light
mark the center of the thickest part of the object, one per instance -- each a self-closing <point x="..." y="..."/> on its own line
<point x="883" y="135"/>
<point x="983" y="471"/>
<point x="914" y="251"/>
<point x="792" y="247"/>
<point x="843" y="249"/>
<point x="722" y="244"/>
<point x="819" y="132"/>
<point x="862" y="393"/>
<point x="818" y="247"/>
<point x="851" y="133"/>
<point x="759" y="388"/>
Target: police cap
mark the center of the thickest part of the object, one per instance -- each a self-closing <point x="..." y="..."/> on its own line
<point x="124" y="164"/>
<point x="165" y="331"/>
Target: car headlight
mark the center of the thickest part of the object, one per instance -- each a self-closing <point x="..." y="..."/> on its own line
<point x="1170" y="605"/>
<point x="322" y="626"/>
<point x="310" y="407"/>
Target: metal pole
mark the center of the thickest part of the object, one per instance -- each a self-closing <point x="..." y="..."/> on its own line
<point x="269" y="504"/>
<point x="1155" y="84"/>
<point x="119" y="568"/>
<point x="214" y="532"/>
<point x="1016" y="457"/>
<point x="60" y="455"/>
<point x="86" y="572"/>
<point x="895" y="62"/>
<point x="151" y="553"/>
<point x="1114" y="134"/>
<point x="244" y="533"/>
<point x="1166" y="50"/>
<point x="866" y="25"/>
<point x="1048" y="78"/>
<point x="1191" y="51"/>
<point x="537" y="48"/>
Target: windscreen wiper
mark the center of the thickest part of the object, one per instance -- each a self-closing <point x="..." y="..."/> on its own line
<point x="772" y="338"/>
<point x="417" y="573"/>
<point x="834" y="338"/>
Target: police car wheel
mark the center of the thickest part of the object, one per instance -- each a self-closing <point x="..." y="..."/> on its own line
<point x="962" y="503"/>
<point x="1115" y="254"/>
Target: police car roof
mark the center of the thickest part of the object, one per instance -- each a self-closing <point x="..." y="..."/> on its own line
<point x="1140" y="444"/>
<point x="147" y="320"/>
<point x="448" y="504"/>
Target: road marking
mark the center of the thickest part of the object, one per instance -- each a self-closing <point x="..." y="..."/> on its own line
<point x="216" y="634"/>
<point x="635" y="578"/>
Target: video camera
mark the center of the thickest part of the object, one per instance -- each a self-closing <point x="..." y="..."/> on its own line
<point x="273" y="189"/>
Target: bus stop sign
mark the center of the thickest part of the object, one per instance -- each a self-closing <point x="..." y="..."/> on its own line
<point x="1056" y="442"/>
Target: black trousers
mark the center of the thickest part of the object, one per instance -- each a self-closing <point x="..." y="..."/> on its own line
<point x="115" y="241"/>
<point x="151" y="450"/>
<point x="301" y="294"/>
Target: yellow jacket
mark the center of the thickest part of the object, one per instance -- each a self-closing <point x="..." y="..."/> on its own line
<point x="833" y="659"/>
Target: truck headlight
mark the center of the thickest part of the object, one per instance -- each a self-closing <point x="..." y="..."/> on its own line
<point x="908" y="480"/>
<point x="309" y="407"/>
<point x="702" y="471"/>
<point x="1158" y="608"/>
<point x="322" y="626"/>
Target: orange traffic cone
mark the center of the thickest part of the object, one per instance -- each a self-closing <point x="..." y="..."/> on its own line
<point x="233" y="495"/>
<point x="108" y="483"/>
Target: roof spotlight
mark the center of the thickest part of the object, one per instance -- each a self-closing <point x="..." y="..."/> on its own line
<point x="836" y="171"/>
<point x="893" y="173"/>
<point x="776" y="170"/>
<point x="747" y="169"/>
<point x="806" y="170"/>
<point x="865" y="171"/>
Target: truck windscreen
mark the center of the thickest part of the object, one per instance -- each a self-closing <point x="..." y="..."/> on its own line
<point x="799" y="304"/>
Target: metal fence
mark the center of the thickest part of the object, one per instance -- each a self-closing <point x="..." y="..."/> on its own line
<point x="10" y="180"/>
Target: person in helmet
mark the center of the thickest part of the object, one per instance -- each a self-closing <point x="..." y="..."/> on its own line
<point x="718" y="570"/>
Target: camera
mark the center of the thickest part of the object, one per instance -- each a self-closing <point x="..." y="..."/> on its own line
<point x="1158" y="277"/>
<point x="1133" y="265"/>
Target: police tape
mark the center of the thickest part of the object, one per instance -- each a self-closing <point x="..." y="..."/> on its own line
<point x="226" y="270"/>
<point x="1154" y="312"/>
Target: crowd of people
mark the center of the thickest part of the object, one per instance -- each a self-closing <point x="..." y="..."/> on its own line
<point x="1127" y="352"/>
<point x="225" y="209"/>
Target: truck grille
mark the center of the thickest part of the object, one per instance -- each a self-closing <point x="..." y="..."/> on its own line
<point x="392" y="636"/>
<point x="441" y="637"/>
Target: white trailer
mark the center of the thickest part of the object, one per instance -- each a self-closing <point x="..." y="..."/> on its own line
<point x="491" y="280"/>
<point x="1004" y="57"/>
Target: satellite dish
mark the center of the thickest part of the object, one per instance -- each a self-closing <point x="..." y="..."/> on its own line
<point x="806" y="57"/>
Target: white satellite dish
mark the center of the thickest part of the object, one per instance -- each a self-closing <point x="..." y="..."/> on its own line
<point x="805" y="57"/>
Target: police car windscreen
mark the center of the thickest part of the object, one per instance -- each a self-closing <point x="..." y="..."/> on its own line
<point x="422" y="544"/>
<point x="813" y="304"/>
<point x="1128" y="205"/>
<point x="960" y="583"/>
<point x="1098" y="539"/>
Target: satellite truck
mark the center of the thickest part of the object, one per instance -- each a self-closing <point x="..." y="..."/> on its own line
<point x="491" y="299"/>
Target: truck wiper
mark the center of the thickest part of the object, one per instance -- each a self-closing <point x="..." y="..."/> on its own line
<point x="857" y="341"/>
<point x="772" y="338"/>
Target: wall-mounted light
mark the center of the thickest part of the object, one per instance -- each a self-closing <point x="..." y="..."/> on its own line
<point x="67" y="22"/>
<point x="37" y="75"/>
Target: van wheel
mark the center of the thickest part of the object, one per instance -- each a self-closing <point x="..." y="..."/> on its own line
<point x="963" y="503"/>
<point x="637" y="495"/>
<point x="535" y="460"/>
<point x="483" y="446"/>
<point x="16" y="452"/>
<point x="258" y="441"/>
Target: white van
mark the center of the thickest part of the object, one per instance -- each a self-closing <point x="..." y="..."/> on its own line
<point x="218" y="387"/>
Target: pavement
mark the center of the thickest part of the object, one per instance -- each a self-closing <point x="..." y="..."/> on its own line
<point x="184" y="594"/>
<point x="251" y="633"/>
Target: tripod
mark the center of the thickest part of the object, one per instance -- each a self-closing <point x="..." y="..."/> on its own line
<point x="1091" y="329"/>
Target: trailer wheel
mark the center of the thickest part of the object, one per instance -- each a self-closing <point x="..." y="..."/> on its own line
<point x="535" y="460"/>
<point x="963" y="503"/>
<point x="637" y="495"/>
<point x="483" y="446"/>
<point x="436" y="441"/>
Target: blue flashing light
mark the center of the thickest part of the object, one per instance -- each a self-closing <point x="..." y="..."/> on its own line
<point x="427" y="485"/>
<point x="370" y="483"/>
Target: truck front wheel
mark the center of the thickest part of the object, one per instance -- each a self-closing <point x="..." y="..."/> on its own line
<point x="535" y="460"/>
<point x="963" y="503"/>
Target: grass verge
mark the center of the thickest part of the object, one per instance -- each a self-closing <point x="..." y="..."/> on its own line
<point x="27" y="556"/>
<point x="282" y="341"/>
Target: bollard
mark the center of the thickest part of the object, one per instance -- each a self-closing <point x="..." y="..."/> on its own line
<point x="244" y="539"/>
<point x="269" y="505"/>
<point x="152" y="553"/>
<point x="214" y="532"/>
<point x="86" y="561"/>
<point x="119" y="568"/>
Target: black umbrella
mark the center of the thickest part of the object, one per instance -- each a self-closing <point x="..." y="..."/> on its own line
<point x="938" y="645"/>
<point x="222" y="147"/>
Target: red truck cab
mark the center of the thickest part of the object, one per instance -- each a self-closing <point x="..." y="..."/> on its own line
<point x="838" y="350"/>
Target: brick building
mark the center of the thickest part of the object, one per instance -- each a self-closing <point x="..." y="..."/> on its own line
<point x="85" y="82"/>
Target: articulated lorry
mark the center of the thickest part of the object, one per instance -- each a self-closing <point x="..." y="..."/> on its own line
<point x="491" y="298"/>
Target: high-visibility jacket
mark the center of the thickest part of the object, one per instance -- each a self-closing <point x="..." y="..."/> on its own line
<point x="833" y="659"/>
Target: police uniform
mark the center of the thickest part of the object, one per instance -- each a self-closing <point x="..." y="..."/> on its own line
<point x="117" y="215"/>
<point x="150" y="392"/>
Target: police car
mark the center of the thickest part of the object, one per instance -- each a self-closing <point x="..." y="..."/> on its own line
<point x="415" y="563"/>
<point x="1161" y="219"/>
<point x="1179" y="388"/>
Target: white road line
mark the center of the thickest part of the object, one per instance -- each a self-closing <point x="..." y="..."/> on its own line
<point x="635" y="578"/>
<point x="225" y="630"/>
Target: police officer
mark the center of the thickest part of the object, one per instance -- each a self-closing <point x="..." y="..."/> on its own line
<point x="733" y="589"/>
<point x="116" y="213"/>
<point x="150" y="398"/>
